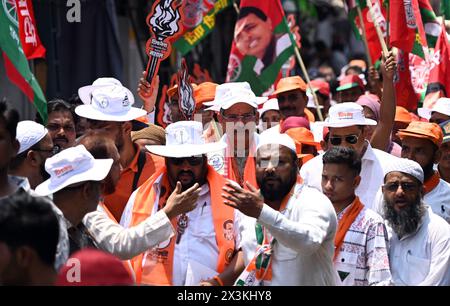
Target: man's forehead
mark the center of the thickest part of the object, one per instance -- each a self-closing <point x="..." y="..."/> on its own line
<point x="397" y="175"/>
<point x="238" y="108"/>
<point x="62" y="115"/>
<point x="417" y="142"/>
<point x="343" y="131"/>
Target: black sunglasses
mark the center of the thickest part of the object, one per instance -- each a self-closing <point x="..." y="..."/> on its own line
<point x="337" y="140"/>
<point x="193" y="160"/>
<point x="55" y="150"/>
<point x="392" y="187"/>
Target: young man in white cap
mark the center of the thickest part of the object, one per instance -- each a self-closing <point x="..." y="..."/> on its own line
<point x="202" y="234"/>
<point x="269" y="114"/>
<point x="286" y="229"/>
<point x="439" y="112"/>
<point x="238" y="117"/>
<point x="419" y="248"/>
<point x="361" y="253"/>
<point x="346" y="123"/>
<point x="75" y="184"/>
<point x="36" y="145"/>
<point x="109" y="108"/>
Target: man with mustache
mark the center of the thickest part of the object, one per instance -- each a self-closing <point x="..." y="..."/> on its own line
<point x="419" y="250"/>
<point x="109" y="109"/>
<point x="347" y="127"/>
<point x="444" y="162"/>
<point x="201" y="235"/>
<point x="61" y="123"/>
<point x="361" y="256"/>
<point x="286" y="229"/>
<point x="421" y="142"/>
<point x="238" y="117"/>
<point x="36" y="146"/>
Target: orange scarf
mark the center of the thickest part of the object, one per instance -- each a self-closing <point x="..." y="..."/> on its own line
<point x="158" y="266"/>
<point x="344" y="224"/>
<point x="432" y="182"/>
<point x="232" y="171"/>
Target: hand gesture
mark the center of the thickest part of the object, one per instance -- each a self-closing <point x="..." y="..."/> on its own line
<point x="182" y="202"/>
<point x="388" y="66"/>
<point x="250" y="202"/>
<point x="148" y="92"/>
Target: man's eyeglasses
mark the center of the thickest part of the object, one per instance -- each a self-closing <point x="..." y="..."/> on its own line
<point x="393" y="187"/>
<point x="193" y="160"/>
<point x="289" y="97"/>
<point x="244" y="118"/>
<point x="337" y="140"/>
<point x="52" y="151"/>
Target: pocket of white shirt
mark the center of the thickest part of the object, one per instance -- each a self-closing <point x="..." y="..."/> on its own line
<point x="417" y="269"/>
<point x="345" y="266"/>
<point x="204" y="226"/>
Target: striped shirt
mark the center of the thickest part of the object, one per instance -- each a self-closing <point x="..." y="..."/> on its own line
<point x="363" y="257"/>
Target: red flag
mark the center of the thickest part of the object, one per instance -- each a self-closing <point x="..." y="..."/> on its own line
<point x="439" y="79"/>
<point x="406" y="21"/>
<point x="29" y="37"/>
<point x="404" y="90"/>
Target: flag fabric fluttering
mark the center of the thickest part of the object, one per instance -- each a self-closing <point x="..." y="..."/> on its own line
<point x="199" y="22"/>
<point x="439" y="79"/>
<point x="31" y="43"/>
<point x="404" y="90"/>
<point x="262" y="44"/>
<point x="16" y="64"/>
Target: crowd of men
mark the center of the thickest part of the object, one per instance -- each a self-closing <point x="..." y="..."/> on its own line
<point x="253" y="192"/>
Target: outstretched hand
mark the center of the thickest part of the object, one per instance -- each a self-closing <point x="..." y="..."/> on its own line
<point x="249" y="202"/>
<point x="388" y="66"/>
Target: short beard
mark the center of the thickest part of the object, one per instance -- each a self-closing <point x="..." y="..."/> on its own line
<point x="407" y="220"/>
<point x="282" y="191"/>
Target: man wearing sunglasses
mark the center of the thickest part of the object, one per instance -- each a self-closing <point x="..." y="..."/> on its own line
<point x="346" y="123"/>
<point x="201" y="230"/>
<point x="419" y="240"/>
<point x="36" y="145"/>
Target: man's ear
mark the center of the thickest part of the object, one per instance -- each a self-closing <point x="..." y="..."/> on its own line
<point x="16" y="147"/>
<point x="357" y="181"/>
<point x="33" y="158"/>
<point x="127" y="127"/>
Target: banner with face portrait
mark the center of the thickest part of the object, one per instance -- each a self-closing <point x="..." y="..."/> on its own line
<point x="262" y="44"/>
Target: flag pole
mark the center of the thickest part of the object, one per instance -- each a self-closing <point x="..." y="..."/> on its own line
<point x="363" y="27"/>
<point x="305" y="73"/>
<point x="377" y="28"/>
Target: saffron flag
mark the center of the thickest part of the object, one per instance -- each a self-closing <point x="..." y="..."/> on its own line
<point x="200" y="19"/>
<point x="16" y="63"/>
<point x="262" y="44"/>
<point x="439" y="79"/>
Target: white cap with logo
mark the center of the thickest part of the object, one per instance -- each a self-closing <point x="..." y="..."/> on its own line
<point x="347" y="114"/>
<point x="71" y="166"/>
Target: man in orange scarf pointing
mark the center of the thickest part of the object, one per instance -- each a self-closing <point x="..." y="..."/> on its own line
<point x="202" y="245"/>
<point x="360" y="256"/>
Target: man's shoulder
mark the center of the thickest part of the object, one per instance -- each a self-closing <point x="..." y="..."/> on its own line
<point x="437" y="224"/>
<point x="313" y="197"/>
<point x="310" y="165"/>
<point x="371" y="217"/>
<point x="383" y="157"/>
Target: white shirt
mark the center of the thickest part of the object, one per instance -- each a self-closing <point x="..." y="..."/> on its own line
<point x="373" y="163"/>
<point x="126" y="243"/>
<point x="304" y="233"/>
<point x="439" y="200"/>
<point x="198" y="242"/>
<point x="422" y="258"/>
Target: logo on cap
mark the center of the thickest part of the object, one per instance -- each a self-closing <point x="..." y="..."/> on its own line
<point x="104" y="103"/>
<point x="181" y="136"/>
<point x="345" y="115"/>
<point x="63" y="171"/>
<point x="126" y="101"/>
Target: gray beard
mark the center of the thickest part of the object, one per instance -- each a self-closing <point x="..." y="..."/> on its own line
<point x="407" y="220"/>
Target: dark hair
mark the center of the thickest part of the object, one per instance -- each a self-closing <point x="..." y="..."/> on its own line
<point x="343" y="156"/>
<point x="10" y="117"/>
<point x="29" y="221"/>
<point x="57" y="105"/>
<point x="96" y="143"/>
<point x="245" y="11"/>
